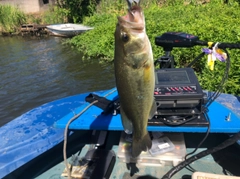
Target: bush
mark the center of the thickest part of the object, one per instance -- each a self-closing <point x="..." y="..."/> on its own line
<point x="54" y="15"/>
<point x="11" y="18"/>
<point x="214" y="21"/>
<point x="98" y="42"/>
<point x="75" y="10"/>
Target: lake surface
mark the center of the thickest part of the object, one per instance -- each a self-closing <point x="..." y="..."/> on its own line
<point x="34" y="71"/>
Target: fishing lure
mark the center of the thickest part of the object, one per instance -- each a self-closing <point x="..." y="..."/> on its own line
<point x="213" y="54"/>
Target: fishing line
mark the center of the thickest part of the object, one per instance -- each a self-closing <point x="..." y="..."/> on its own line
<point x="66" y="131"/>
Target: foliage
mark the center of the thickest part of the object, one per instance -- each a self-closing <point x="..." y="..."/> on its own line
<point x="11" y="18"/>
<point x="75" y="10"/>
<point x="212" y="22"/>
<point x="102" y="44"/>
<point x="216" y="21"/>
<point x="54" y="15"/>
<point x="65" y="11"/>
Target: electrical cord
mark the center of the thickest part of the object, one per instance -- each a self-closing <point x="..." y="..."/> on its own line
<point x="217" y="93"/>
<point x="204" y="153"/>
<point x="205" y="137"/>
<point x="196" y="59"/>
<point x="212" y="98"/>
<point x="175" y="121"/>
<point x="200" y="144"/>
<point x="66" y="132"/>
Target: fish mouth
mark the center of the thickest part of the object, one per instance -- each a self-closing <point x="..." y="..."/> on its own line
<point x="134" y="19"/>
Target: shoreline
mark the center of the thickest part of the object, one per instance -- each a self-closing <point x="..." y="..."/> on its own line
<point x="28" y="29"/>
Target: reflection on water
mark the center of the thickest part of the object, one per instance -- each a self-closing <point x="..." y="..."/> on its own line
<point x="36" y="71"/>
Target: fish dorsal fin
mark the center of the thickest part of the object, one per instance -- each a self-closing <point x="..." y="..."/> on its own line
<point x="153" y="110"/>
<point x="127" y="124"/>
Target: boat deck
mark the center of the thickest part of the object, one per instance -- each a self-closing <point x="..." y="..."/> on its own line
<point x="121" y="171"/>
<point x="227" y="162"/>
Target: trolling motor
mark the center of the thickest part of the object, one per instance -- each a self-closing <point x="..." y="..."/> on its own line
<point x="173" y="39"/>
<point x="178" y="94"/>
<point x="169" y="40"/>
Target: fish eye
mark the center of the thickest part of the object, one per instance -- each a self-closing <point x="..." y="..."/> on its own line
<point x="125" y="37"/>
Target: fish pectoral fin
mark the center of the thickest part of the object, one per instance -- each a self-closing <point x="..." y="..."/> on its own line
<point x="127" y="124"/>
<point x="153" y="110"/>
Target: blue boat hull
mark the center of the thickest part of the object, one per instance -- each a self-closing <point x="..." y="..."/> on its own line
<point x="35" y="132"/>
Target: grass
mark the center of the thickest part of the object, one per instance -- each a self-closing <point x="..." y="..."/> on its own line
<point x="11" y="18"/>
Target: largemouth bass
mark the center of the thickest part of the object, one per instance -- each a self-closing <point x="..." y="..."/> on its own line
<point x="135" y="79"/>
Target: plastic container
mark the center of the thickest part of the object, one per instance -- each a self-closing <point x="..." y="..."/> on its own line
<point x="202" y="175"/>
<point x="161" y="145"/>
<point x="171" y="155"/>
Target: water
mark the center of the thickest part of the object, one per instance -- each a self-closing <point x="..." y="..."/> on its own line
<point x="34" y="71"/>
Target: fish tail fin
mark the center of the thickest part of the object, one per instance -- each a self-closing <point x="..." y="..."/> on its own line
<point x="143" y="144"/>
